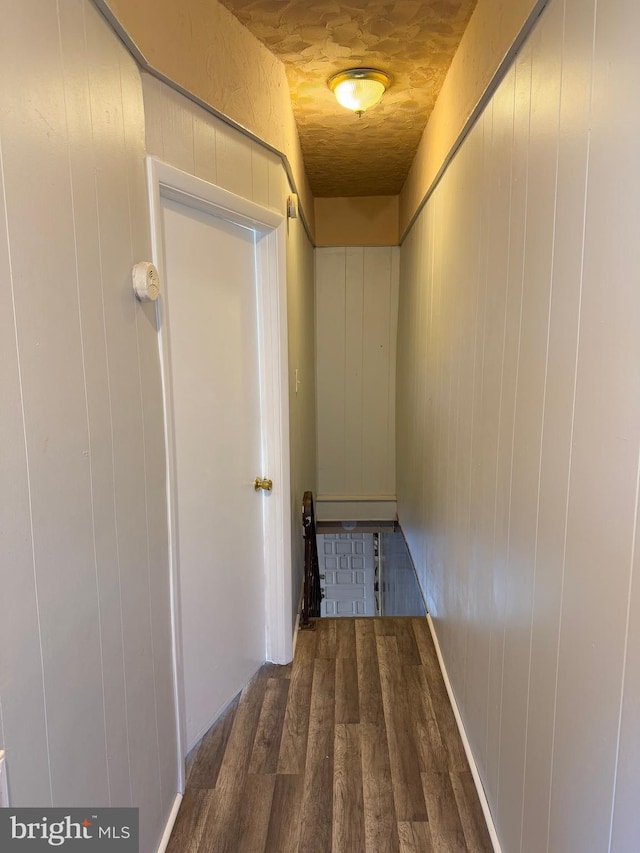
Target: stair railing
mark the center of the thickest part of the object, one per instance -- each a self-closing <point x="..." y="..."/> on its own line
<point x="312" y="593"/>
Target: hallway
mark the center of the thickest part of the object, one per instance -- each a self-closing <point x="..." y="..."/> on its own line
<point x="352" y="747"/>
<point x="457" y="351"/>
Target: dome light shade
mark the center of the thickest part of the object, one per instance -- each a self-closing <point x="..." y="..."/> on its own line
<point x="358" y="89"/>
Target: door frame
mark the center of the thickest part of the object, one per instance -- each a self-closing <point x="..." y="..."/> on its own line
<point x="269" y="225"/>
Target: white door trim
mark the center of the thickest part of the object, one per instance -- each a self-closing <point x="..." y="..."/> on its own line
<point x="269" y="225"/>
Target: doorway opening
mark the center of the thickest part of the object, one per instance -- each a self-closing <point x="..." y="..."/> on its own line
<point x="223" y="350"/>
<point x="366" y="570"/>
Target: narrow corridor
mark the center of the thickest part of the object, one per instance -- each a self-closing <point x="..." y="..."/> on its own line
<point x="352" y="747"/>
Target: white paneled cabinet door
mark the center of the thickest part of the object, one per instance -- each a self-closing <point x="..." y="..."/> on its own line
<point x="215" y="385"/>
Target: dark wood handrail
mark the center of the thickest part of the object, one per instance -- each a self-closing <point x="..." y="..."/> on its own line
<point x="312" y="593"/>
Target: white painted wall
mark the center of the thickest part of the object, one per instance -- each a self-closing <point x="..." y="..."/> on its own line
<point x="356" y="322"/>
<point x="519" y="432"/>
<point x="86" y="704"/>
<point x="183" y="134"/>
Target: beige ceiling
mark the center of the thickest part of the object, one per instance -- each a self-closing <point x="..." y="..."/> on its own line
<point x="413" y="40"/>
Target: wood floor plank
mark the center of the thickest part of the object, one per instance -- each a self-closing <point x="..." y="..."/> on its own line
<point x="226" y="807"/>
<point x="439" y="697"/>
<point x="380" y="823"/>
<point x="345" y="638"/>
<point x="348" y="809"/>
<point x="364" y="741"/>
<point x="429" y="659"/>
<point x="189" y="826"/>
<point x="266" y="747"/>
<point x="414" y="837"/>
<point x="405" y="768"/>
<point x="385" y="627"/>
<point x="431" y="751"/>
<point x="317" y="797"/>
<point x="253" y="822"/>
<point x="237" y="755"/>
<point x="347" y="699"/>
<point x="284" y="824"/>
<point x="407" y="645"/>
<point x="293" y="744"/>
<point x="327" y="630"/>
<point x="281" y="671"/>
<point x="471" y="815"/>
<point x="369" y="690"/>
<point x="401" y="628"/>
<point x="447" y="834"/>
<point x="215" y="834"/>
<point x="208" y="758"/>
<point x="426" y="648"/>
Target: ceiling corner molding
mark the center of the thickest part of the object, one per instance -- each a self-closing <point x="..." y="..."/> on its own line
<point x="143" y="62"/>
<point x="496" y="78"/>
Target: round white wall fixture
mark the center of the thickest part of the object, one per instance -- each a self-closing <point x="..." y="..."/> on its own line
<point x="146" y="281"/>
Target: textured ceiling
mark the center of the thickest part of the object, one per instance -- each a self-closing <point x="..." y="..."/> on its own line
<point x="413" y="40"/>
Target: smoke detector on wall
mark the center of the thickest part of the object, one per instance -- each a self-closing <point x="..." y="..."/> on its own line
<point x="146" y="281"/>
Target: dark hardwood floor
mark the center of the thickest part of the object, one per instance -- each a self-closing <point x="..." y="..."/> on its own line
<point x="352" y="747"/>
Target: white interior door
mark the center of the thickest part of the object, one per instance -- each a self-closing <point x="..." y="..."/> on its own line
<point x="212" y="323"/>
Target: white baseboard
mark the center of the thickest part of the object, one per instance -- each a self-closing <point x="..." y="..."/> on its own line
<point x="465" y="742"/>
<point x="4" y="788"/>
<point x="164" y="841"/>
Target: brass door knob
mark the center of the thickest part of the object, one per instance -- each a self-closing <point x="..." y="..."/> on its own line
<point x="262" y="483"/>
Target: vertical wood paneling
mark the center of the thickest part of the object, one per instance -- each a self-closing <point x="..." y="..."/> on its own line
<point x="152" y="90"/>
<point x="354" y="371"/>
<point x="23" y="722"/>
<point x="90" y="301"/>
<point x="330" y="376"/>
<point x="259" y="175"/>
<point x="205" y="145"/>
<point x="604" y="464"/>
<point x="482" y="472"/>
<point x="378" y="476"/>
<point x="54" y="405"/>
<point x="625" y="823"/>
<point x="278" y="183"/>
<point x="518" y="502"/>
<point x="356" y="321"/>
<point x="405" y="362"/>
<point x="504" y="251"/>
<point x="117" y="258"/>
<point x="518" y="398"/>
<point x="509" y="656"/>
<point x="85" y="556"/>
<point x="156" y="577"/>
<point x="176" y="126"/>
<point x="557" y="424"/>
<point x="233" y="156"/>
<point x="546" y="47"/>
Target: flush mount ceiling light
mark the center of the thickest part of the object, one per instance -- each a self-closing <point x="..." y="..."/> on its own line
<point x="358" y="89"/>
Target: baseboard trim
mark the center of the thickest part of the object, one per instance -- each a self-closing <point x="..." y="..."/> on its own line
<point x="173" y="814"/>
<point x="465" y="742"/>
